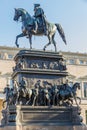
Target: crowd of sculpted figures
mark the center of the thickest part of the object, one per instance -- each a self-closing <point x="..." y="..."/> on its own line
<point x="46" y="95"/>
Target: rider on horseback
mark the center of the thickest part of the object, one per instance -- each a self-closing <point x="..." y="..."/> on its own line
<point x="40" y="18"/>
<point x="23" y="85"/>
<point x="65" y="88"/>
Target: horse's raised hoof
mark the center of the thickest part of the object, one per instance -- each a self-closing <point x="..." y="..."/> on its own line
<point x="17" y="45"/>
<point x="55" y="50"/>
<point x="44" y="49"/>
<point x="30" y="48"/>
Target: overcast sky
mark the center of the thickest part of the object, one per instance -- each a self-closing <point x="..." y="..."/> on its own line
<point x="71" y="14"/>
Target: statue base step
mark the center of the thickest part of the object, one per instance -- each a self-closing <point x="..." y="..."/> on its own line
<point x="43" y="116"/>
<point x="35" y="127"/>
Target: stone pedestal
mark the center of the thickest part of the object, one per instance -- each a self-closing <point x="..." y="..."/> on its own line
<point x="43" y="115"/>
<point x="48" y="67"/>
<point x="43" y="118"/>
<point x="36" y="65"/>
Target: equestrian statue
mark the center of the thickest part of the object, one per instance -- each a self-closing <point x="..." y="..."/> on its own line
<point x="37" y="25"/>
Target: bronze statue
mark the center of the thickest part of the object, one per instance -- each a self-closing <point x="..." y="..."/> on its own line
<point x="7" y="96"/>
<point x="67" y="94"/>
<point x="37" y="25"/>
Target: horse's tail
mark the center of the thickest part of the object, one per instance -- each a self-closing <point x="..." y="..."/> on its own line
<point x="61" y="32"/>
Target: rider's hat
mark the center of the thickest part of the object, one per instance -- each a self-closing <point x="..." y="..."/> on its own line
<point x="36" y="5"/>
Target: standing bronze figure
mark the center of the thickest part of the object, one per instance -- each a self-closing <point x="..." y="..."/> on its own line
<point x="37" y="25"/>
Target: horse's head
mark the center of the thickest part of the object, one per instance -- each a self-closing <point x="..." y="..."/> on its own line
<point x="17" y="15"/>
<point x="19" y="12"/>
<point x="76" y="85"/>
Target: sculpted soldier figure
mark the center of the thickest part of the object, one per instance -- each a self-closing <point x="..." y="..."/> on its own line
<point x="62" y="65"/>
<point x="40" y="18"/>
<point x="6" y="92"/>
<point x="55" y="95"/>
<point x="23" y="85"/>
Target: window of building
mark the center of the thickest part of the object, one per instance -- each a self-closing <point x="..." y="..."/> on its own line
<point x="81" y="62"/>
<point x="86" y="116"/>
<point x="85" y="89"/>
<point x="72" y="61"/>
<point x="0" y="56"/>
<point x="10" y="56"/>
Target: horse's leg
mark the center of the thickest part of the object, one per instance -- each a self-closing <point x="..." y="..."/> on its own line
<point x="37" y="100"/>
<point x="6" y="101"/>
<point x="18" y="98"/>
<point x="18" y="36"/>
<point x="54" y="42"/>
<point x="75" y="98"/>
<point x="29" y="99"/>
<point x="58" y="100"/>
<point x="79" y="99"/>
<point x="54" y="100"/>
<point x="62" y="100"/>
<point x="34" y="100"/>
<point x="46" y="46"/>
<point x="44" y="100"/>
<point x="71" y="101"/>
<point x="3" y="103"/>
<point x="47" y="100"/>
<point x="50" y="40"/>
<point x="30" y="40"/>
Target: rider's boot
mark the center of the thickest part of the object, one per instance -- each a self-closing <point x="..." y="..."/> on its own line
<point x="44" y="48"/>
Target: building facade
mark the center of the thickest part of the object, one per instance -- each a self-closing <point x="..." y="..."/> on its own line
<point x="76" y="64"/>
<point x="77" y="67"/>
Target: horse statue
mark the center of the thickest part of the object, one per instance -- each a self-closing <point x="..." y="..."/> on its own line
<point x="67" y="95"/>
<point x="28" y="23"/>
